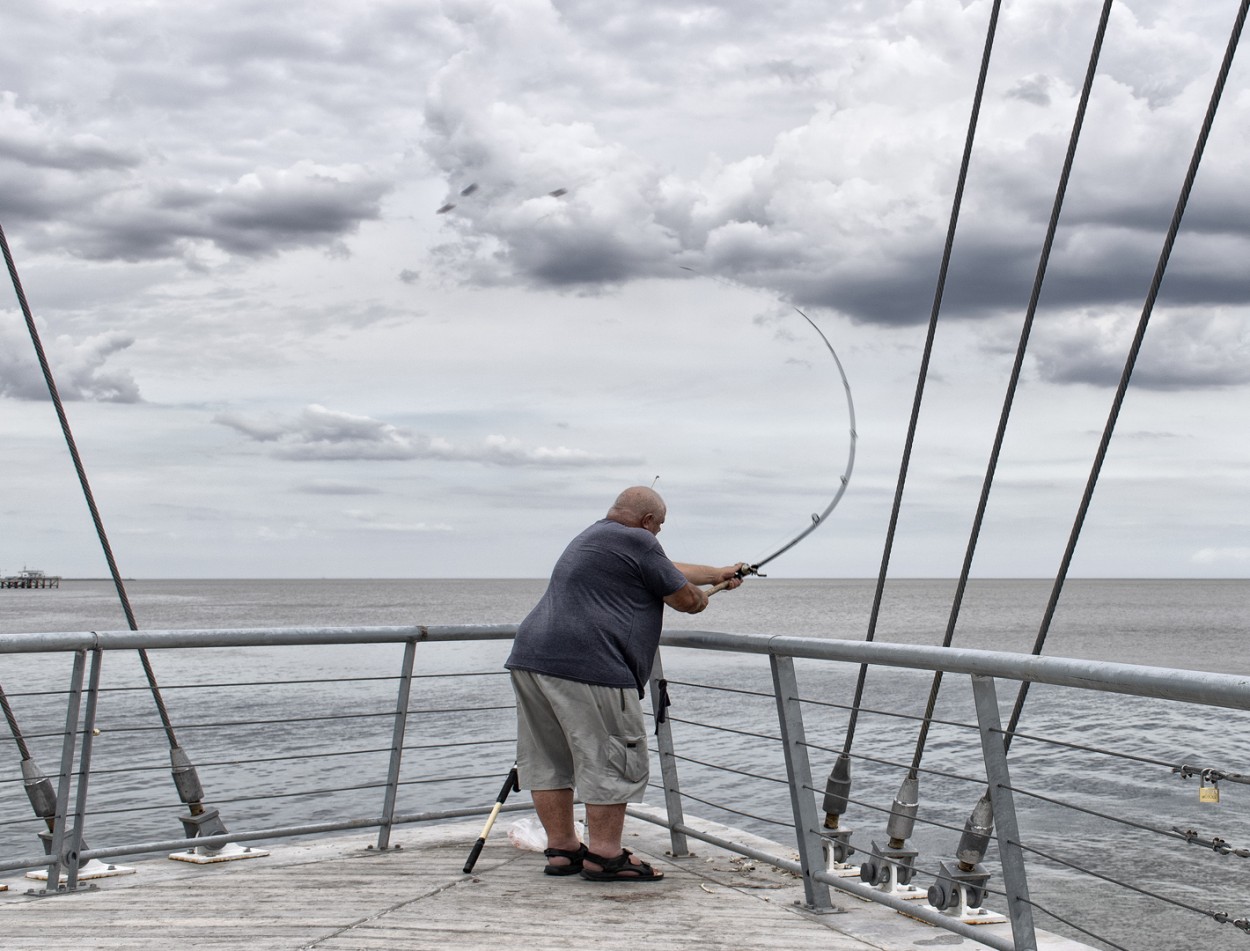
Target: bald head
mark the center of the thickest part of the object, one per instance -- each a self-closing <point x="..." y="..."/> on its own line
<point x="639" y="507"/>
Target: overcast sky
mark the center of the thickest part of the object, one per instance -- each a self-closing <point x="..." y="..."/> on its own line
<point x="412" y="289"/>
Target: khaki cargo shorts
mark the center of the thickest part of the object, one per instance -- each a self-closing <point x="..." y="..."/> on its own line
<point x="579" y="736"/>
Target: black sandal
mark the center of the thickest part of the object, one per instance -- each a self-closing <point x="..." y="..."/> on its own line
<point x="575" y="860"/>
<point x="620" y="869"/>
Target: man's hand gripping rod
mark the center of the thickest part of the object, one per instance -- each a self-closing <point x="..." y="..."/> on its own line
<point x="743" y="572"/>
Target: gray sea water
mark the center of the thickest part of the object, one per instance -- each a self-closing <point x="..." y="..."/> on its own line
<point x="325" y="705"/>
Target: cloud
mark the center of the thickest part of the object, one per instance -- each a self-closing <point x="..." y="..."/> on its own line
<point x="31" y="139"/>
<point x="259" y="215"/>
<point x="848" y="209"/>
<point x="332" y="487"/>
<point x="380" y="523"/>
<point x="1221" y="556"/>
<point x="322" y="434"/>
<point x="78" y="368"/>
<point x="1179" y="352"/>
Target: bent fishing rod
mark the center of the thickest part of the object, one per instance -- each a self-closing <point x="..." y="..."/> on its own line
<point x="818" y="519"/>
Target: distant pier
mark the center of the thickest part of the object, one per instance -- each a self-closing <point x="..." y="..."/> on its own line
<point x="30" y="578"/>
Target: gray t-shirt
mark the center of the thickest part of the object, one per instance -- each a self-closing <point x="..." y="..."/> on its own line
<point x="599" y="620"/>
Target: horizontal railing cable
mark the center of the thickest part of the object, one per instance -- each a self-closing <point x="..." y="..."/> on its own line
<point x="448" y="746"/>
<point x="924" y="770"/>
<point x="720" y="688"/>
<point x="727" y="769"/>
<point x="1075" y="927"/>
<point x="788" y="824"/>
<point x="1119" y="820"/>
<point x="252" y="761"/>
<point x="888" y="713"/>
<point x="280" y="721"/>
<point x="447" y="779"/>
<point x="724" y="729"/>
<point x="265" y="797"/>
<point x="1125" y="885"/>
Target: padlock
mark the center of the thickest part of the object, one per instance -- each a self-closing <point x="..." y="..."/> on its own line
<point x="1208" y="793"/>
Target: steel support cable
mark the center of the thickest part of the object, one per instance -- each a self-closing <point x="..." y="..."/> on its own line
<point x="1165" y="254"/>
<point x="83" y="481"/>
<point x="185" y="779"/>
<point x="13" y="726"/>
<point x="1013" y="383"/>
<point x="943" y="270"/>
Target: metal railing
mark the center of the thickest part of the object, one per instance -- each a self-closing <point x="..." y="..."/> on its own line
<point x="352" y="748"/>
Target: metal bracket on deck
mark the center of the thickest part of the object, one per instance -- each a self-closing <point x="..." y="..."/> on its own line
<point x="230" y="852"/>
<point x="959" y="893"/>
<point x="86" y="871"/>
<point x="836" y="844"/>
<point x="205" y="823"/>
<point x="891" y="871"/>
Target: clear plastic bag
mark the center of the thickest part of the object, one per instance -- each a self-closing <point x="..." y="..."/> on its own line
<point x="527" y="833"/>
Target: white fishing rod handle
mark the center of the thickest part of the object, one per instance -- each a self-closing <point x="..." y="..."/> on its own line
<point x="743" y="572"/>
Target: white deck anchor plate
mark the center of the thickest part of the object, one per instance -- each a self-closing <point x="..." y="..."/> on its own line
<point x="230" y="852"/>
<point x="86" y="871"/>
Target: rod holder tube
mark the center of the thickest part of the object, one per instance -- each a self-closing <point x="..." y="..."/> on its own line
<point x="837" y="791"/>
<point x="903" y="811"/>
<point x="39" y="790"/>
<point x="977" y="832"/>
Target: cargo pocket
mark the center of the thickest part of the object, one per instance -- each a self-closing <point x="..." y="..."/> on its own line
<point x="628" y="756"/>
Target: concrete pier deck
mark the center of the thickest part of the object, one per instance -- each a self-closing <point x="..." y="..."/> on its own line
<point x="339" y="894"/>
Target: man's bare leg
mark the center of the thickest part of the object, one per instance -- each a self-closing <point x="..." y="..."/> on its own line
<point x="555" y="812"/>
<point x="604" y="827"/>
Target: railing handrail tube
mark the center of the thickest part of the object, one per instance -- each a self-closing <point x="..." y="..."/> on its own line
<point x="1231" y="690"/>
<point x="159" y="639"/>
<point x="1166" y="683"/>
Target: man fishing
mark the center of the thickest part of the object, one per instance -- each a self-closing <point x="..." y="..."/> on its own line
<point x="580" y="665"/>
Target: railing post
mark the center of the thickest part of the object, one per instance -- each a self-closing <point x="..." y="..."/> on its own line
<point x="799" y="776"/>
<point x="72" y="706"/>
<point x="1015" y="880"/>
<point x="668" y="758"/>
<point x="397" y="745"/>
<point x="74" y="845"/>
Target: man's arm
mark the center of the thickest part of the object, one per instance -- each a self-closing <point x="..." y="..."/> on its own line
<point x="706" y="574"/>
<point x="688" y="600"/>
<point x="692" y="599"/>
